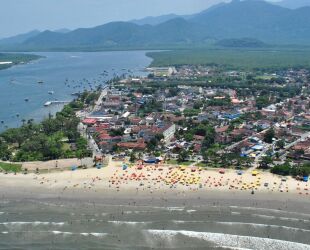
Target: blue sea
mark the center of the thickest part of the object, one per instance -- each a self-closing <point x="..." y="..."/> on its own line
<point x="55" y="77"/>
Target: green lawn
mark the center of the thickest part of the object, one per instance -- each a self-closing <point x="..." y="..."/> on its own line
<point x="10" y="167"/>
<point x="202" y="165"/>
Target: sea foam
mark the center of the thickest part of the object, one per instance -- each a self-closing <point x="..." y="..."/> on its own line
<point x="129" y="222"/>
<point x="256" y="225"/>
<point x="34" y="223"/>
<point x="233" y="241"/>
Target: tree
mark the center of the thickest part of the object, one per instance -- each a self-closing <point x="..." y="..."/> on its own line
<point x="262" y="101"/>
<point x="133" y="157"/>
<point x="280" y="144"/>
<point x="81" y="154"/>
<point x="4" y="150"/>
<point x="284" y="169"/>
<point x="152" y="144"/>
<point x="269" y="135"/>
<point x="265" y="162"/>
<point x="183" y="155"/>
<point x="302" y="170"/>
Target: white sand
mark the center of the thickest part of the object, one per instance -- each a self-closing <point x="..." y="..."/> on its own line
<point x="153" y="179"/>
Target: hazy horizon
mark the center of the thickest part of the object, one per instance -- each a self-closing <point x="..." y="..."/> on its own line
<point x="71" y="14"/>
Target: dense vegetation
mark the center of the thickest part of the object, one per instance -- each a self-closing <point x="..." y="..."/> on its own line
<point x="241" y="43"/>
<point x="286" y="169"/>
<point x="15" y="59"/>
<point x="271" y="59"/>
<point x="53" y="138"/>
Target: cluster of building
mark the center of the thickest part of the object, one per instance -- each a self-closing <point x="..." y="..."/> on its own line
<point x="132" y="115"/>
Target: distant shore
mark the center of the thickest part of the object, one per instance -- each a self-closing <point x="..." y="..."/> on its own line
<point x="8" y="60"/>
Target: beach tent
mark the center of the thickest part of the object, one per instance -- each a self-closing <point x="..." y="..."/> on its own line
<point x="98" y="165"/>
<point x="73" y="168"/>
<point x="306" y="178"/>
<point x="125" y="166"/>
<point x="151" y="160"/>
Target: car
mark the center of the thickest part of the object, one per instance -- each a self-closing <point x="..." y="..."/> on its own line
<point x="266" y="184"/>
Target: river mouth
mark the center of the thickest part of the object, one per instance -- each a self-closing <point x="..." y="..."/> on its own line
<point x="24" y="89"/>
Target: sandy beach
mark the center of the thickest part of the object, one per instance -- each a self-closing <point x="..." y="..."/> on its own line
<point x="161" y="207"/>
<point x="164" y="184"/>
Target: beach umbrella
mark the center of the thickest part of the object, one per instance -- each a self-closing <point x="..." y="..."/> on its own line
<point x="254" y="173"/>
<point x="222" y="171"/>
<point x="240" y="172"/>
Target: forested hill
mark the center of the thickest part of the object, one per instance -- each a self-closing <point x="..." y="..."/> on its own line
<point x="253" y="19"/>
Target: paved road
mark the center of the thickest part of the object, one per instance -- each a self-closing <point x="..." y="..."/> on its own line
<point x="91" y="142"/>
<point x="82" y="128"/>
<point x="100" y="99"/>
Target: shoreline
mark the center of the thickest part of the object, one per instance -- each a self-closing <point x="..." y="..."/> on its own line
<point x="94" y="186"/>
<point x="216" y="199"/>
<point x="13" y="62"/>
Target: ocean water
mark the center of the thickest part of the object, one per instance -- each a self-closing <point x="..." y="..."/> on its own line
<point x="78" y="70"/>
<point x="35" y="224"/>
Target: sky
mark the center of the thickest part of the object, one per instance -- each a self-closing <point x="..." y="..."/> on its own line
<point x="20" y="16"/>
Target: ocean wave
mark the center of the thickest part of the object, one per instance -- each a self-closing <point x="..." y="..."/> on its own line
<point x="235" y="248"/>
<point x="255" y="225"/>
<point x="34" y="223"/>
<point x="235" y="241"/>
<point x="130" y="222"/>
<point x="270" y="210"/>
<point x="191" y="211"/>
<point x="175" y="208"/>
<point x="83" y="234"/>
<point x="293" y="219"/>
<point x="60" y="232"/>
<point x="235" y="213"/>
<point x="50" y="204"/>
<point x="280" y="218"/>
<point x="264" y="216"/>
<point x="262" y="226"/>
<point x="188" y="221"/>
<point x="95" y="234"/>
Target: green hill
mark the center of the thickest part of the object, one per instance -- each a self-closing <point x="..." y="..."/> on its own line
<point x="255" y="19"/>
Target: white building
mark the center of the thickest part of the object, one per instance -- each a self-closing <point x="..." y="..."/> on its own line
<point x="169" y="132"/>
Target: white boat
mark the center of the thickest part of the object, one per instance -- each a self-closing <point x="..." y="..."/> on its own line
<point x="47" y="103"/>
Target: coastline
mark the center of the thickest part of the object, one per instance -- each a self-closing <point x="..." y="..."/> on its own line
<point x="93" y="186"/>
<point x="15" y="59"/>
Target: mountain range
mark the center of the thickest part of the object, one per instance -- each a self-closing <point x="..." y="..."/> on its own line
<point x="250" y="19"/>
<point x="294" y="4"/>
